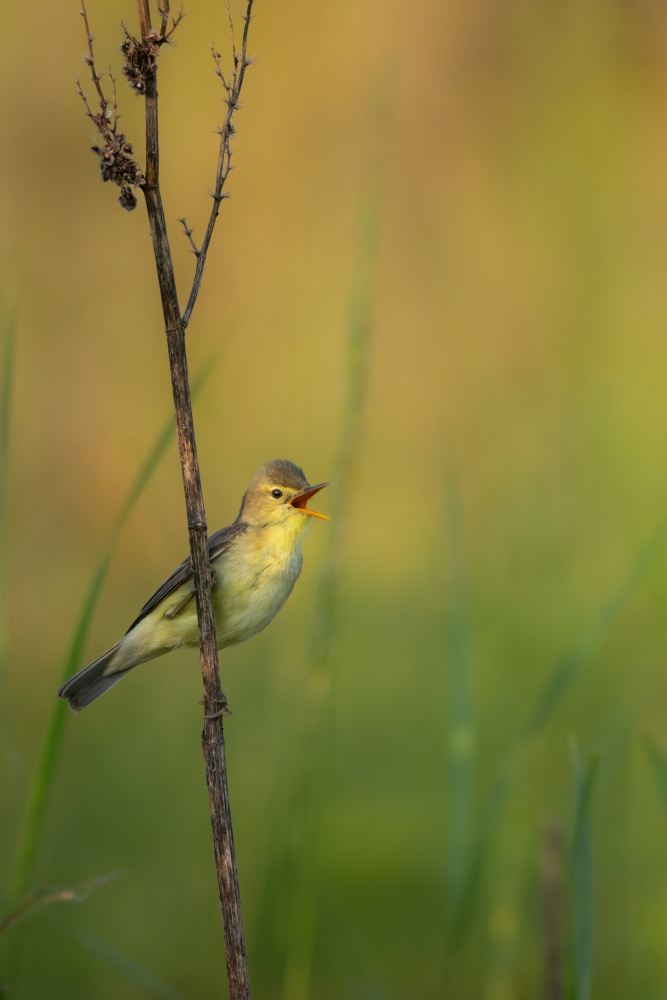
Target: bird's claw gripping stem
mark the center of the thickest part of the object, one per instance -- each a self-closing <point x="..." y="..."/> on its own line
<point x="225" y="710"/>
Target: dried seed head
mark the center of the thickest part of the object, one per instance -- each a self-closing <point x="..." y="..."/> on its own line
<point x="128" y="199"/>
<point x="114" y="152"/>
<point x="117" y="166"/>
<point x="140" y="59"/>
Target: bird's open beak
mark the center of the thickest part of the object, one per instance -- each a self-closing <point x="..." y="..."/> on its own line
<point x="299" y="502"/>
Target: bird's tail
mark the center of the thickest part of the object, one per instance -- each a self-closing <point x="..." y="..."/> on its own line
<point x="91" y="682"/>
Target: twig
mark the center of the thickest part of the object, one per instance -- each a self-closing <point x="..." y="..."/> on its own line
<point x="165" y="36"/>
<point x="188" y="233"/>
<point x="163" y="11"/>
<point x="300" y="903"/>
<point x="140" y="70"/>
<point x="213" y="743"/>
<point x="114" y="119"/>
<point x="90" y="60"/>
<point x="40" y="787"/>
<point x="233" y="88"/>
<point x="116" y="160"/>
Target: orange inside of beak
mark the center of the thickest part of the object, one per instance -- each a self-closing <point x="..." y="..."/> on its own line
<point x="299" y="502"/>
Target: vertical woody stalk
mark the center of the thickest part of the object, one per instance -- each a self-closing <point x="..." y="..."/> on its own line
<point x="213" y="742"/>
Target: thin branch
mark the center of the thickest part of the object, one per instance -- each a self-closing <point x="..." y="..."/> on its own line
<point x="163" y="11"/>
<point x="116" y="164"/>
<point x="218" y="67"/>
<point x="114" y="119"/>
<point x="213" y="742"/>
<point x="116" y="160"/>
<point x="165" y="36"/>
<point x="232" y="33"/>
<point x="188" y="232"/>
<point x="90" y="61"/>
<point x="83" y="97"/>
<point x="233" y="90"/>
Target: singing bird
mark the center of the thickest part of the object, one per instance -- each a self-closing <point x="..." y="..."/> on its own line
<point x="255" y="563"/>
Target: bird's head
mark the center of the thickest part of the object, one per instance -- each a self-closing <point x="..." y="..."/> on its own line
<point x="278" y="497"/>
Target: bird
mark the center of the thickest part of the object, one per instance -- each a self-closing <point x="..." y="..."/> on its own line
<point x="255" y="562"/>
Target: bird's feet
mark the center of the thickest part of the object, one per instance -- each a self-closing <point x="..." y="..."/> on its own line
<point x="220" y="700"/>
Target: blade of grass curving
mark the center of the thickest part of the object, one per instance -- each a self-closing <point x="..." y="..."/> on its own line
<point x="461" y="736"/>
<point x="309" y="780"/>
<point x="659" y="764"/>
<point x="37" y="901"/>
<point x="582" y="875"/>
<point x="9" y="324"/>
<point x="45" y="771"/>
<point x="569" y="668"/>
<point x="472" y="879"/>
<point x="132" y="970"/>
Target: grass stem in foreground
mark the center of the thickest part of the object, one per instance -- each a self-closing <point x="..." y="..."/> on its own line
<point x="45" y="771"/>
<point x="309" y="781"/>
<point x="553" y="691"/>
<point x="7" y="368"/>
<point x="461" y="735"/>
<point x="659" y="765"/>
<point x="131" y="970"/>
<point x="582" y="876"/>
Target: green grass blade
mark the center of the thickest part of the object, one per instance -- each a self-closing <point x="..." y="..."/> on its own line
<point x="42" y="782"/>
<point x="569" y="668"/>
<point x="300" y="867"/>
<point x="482" y="842"/>
<point x="582" y="876"/>
<point x="659" y="764"/>
<point x="461" y="736"/>
<point x="132" y="970"/>
<point x="564" y="674"/>
<point x="9" y="324"/>
<point x="38" y="901"/>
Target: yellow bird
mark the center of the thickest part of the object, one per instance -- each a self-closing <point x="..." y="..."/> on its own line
<point x="255" y="563"/>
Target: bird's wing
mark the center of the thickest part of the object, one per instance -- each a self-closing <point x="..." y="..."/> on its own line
<point x="217" y="543"/>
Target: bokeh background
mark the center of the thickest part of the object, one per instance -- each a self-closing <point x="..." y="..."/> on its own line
<point x="505" y="495"/>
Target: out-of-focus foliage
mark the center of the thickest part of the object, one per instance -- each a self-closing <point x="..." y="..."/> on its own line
<point x="518" y="351"/>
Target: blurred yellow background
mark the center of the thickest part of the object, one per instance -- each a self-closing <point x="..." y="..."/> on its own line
<point x="517" y="156"/>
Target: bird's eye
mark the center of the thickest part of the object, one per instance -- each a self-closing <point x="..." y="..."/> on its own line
<point x="276" y="493"/>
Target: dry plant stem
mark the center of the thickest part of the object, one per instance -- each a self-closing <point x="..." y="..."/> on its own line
<point x="233" y="87"/>
<point x="213" y="743"/>
<point x="91" y="60"/>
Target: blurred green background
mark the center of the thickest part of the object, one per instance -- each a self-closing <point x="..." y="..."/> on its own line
<point x="504" y="482"/>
